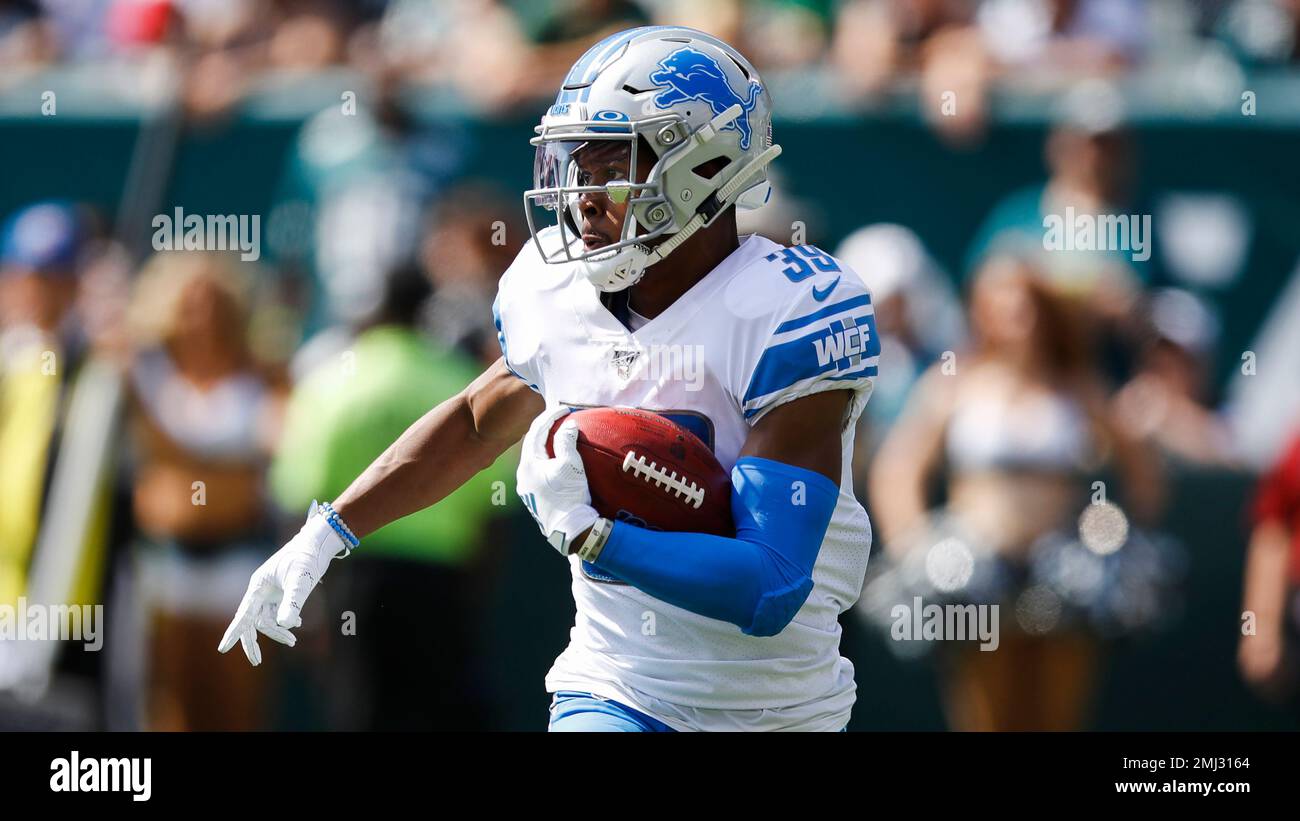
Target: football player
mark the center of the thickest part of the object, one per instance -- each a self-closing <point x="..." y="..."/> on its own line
<point x="657" y="136"/>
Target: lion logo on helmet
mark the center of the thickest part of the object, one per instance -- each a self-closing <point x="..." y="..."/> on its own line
<point x="688" y="74"/>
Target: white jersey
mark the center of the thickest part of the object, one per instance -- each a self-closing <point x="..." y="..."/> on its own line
<point x="768" y="325"/>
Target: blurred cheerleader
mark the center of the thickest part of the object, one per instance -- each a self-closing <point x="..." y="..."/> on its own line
<point x="1017" y="425"/>
<point x="202" y="418"/>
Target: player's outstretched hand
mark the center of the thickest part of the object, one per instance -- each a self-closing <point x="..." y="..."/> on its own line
<point x="555" y="489"/>
<point x="279" y="587"/>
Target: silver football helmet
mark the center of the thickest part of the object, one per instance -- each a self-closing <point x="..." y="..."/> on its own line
<point x="695" y="100"/>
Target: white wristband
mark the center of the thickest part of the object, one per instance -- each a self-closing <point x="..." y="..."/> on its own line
<point x="595" y="541"/>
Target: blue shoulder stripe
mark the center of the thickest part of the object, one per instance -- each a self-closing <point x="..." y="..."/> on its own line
<point x="829" y="310"/>
<point x="841" y="348"/>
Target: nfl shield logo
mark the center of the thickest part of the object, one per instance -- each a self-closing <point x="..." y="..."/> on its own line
<point x="624" y="360"/>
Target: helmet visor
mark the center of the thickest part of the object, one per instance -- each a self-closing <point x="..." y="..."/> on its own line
<point x="583" y="183"/>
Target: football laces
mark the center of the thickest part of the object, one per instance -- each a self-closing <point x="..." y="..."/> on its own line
<point x="679" y="486"/>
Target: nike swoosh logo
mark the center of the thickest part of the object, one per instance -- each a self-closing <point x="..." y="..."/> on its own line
<point x="820" y="296"/>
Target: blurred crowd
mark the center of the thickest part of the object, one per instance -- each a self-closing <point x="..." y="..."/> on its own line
<point x="227" y="436"/>
<point x="498" y="53"/>
<point x="1018" y="448"/>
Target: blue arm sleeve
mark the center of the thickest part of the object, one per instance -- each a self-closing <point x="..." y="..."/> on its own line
<point x="758" y="580"/>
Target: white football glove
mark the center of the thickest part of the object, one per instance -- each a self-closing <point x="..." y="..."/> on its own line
<point x="279" y="587"/>
<point x="555" y="490"/>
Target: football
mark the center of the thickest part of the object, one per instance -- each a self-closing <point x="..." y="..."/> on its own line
<point x="646" y="470"/>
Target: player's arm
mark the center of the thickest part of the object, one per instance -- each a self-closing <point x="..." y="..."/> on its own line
<point x="785" y="486"/>
<point x="784" y="489"/>
<point x="437" y="454"/>
<point x="441" y="451"/>
<point x="804" y="433"/>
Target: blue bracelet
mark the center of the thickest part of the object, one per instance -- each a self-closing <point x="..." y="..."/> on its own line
<point x="340" y="527"/>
